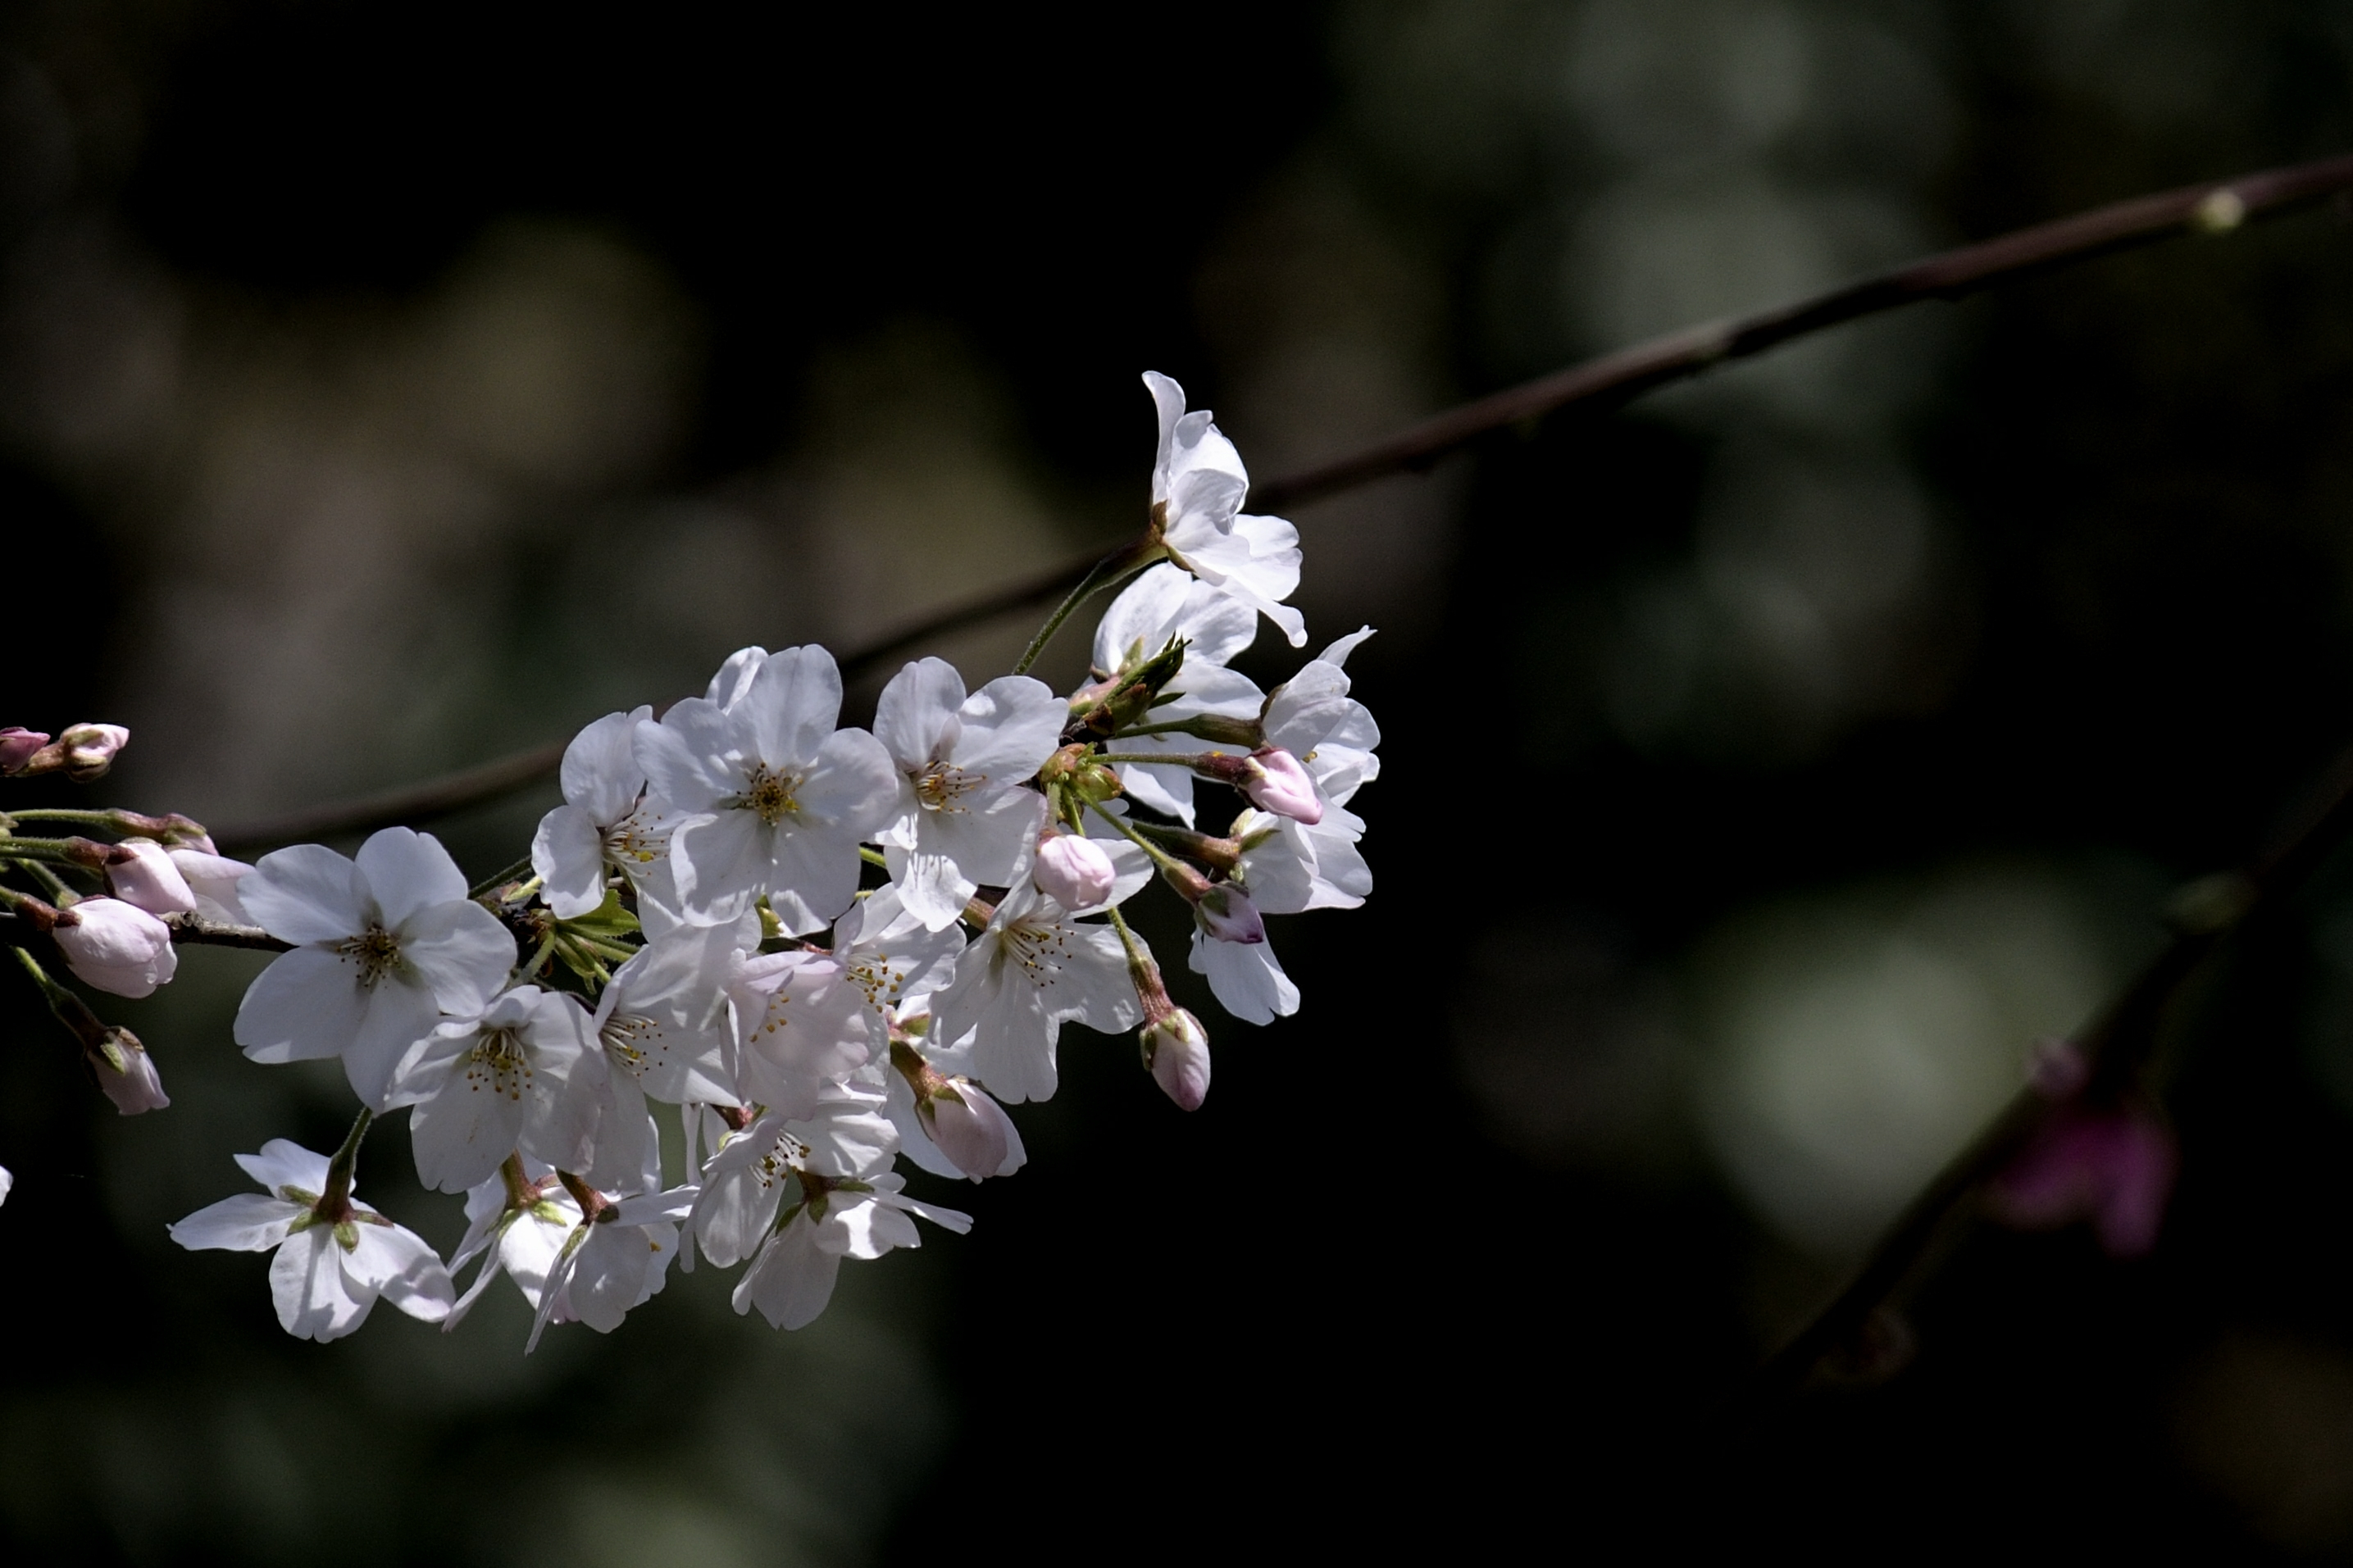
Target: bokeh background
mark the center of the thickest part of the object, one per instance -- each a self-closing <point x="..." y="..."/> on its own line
<point x="1767" y="767"/>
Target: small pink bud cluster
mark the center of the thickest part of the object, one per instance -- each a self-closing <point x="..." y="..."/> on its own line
<point x="84" y="751"/>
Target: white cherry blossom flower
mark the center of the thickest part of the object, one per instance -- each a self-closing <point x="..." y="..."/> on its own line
<point x="116" y="947"/>
<point x="1230" y="946"/>
<point x="772" y="797"/>
<point x="892" y="958"/>
<point x="668" y="1034"/>
<point x="802" y="1023"/>
<point x="963" y="817"/>
<point x="756" y="1172"/>
<point x="7" y="1183"/>
<point x="515" y="1222"/>
<point x="1197" y="486"/>
<point x="792" y="1279"/>
<point x="615" y="1260"/>
<point x="1290" y="866"/>
<point x="1033" y="969"/>
<point x="383" y="947"/>
<point x="1313" y="717"/>
<point x="330" y="1267"/>
<point x="607" y="820"/>
<point x="524" y="1074"/>
<point x="1163" y="604"/>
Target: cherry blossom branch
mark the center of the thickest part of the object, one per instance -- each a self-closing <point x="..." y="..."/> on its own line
<point x="1613" y="379"/>
<point x="197" y="930"/>
<point x="1120" y="563"/>
<point x="2113" y="1048"/>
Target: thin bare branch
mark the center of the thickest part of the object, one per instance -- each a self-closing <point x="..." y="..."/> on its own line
<point x="195" y="929"/>
<point x="1608" y="382"/>
<point x="2115" y="1048"/>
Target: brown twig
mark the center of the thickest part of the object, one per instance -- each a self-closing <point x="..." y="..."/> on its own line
<point x="1608" y="382"/>
<point x="2115" y="1048"/>
<point x="197" y="931"/>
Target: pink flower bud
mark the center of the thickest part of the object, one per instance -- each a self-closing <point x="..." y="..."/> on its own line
<point x="148" y="877"/>
<point x="116" y="947"/>
<point x="1176" y="1052"/>
<point x="213" y="879"/>
<point x="1226" y="913"/>
<point x="18" y="746"/>
<point x="970" y="1128"/>
<point x="127" y="1074"/>
<point x="2112" y="1166"/>
<point x="90" y="748"/>
<point x="1279" y="784"/>
<point x="1073" y="872"/>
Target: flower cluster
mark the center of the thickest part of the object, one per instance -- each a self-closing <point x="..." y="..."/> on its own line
<point x="825" y="949"/>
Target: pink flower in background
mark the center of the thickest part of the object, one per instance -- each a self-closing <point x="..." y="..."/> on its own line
<point x="2114" y="1167"/>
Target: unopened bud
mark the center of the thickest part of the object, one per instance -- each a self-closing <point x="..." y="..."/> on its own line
<point x="1073" y="872"/>
<point x="17" y="748"/>
<point x="142" y="872"/>
<point x="1187" y="883"/>
<point x="1281" y="785"/>
<point x="1176" y="1054"/>
<point x="116" y="947"/>
<point x="126" y="1073"/>
<point x="89" y="749"/>
<point x="970" y="1128"/>
<point x="1226" y="913"/>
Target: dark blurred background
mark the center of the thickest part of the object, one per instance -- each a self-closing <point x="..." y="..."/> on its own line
<point x="1767" y="767"/>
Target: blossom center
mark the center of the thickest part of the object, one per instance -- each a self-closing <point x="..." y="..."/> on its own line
<point x="377" y="949"/>
<point x="1039" y="950"/>
<point x="940" y="784"/>
<point x="877" y="979"/>
<point x="784" y="1159"/>
<point x="498" y="1063"/>
<point x="633" y="839"/>
<point x="621" y="1036"/>
<point x="770" y="794"/>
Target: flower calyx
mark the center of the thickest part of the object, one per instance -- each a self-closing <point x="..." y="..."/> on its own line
<point x="1124" y="698"/>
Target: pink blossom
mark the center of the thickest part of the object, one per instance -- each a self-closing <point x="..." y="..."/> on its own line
<point x="1074" y="871"/>
<point x="1279" y="784"/>
<point x="149" y="877"/>
<point x="18" y="746"/>
<point x="116" y="947"/>
<point x="1176" y="1053"/>
<point x="2114" y="1167"/>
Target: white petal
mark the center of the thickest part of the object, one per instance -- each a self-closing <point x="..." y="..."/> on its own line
<point x="316" y="1299"/>
<point x="307" y="893"/>
<point x="460" y="950"/>
<point x="395" y="1263"/>
<point x="918" y="712"/>
<point x="249" y="1222"/>
<point x="307" y="1004"/>
<point x="568" y="853"/>
<point x="601" y="774"/>
<point x="792" y="705"/>
<point x="1247" y="979"/>
<point x="406" y="871"/>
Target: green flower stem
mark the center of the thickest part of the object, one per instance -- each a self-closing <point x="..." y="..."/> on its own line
<point x="492" y="883"/>
<point x="873" y="856"/>
<point x="1160" y="857"/>
<point x="1120" y="564"/>
<point x="60" y="893"/>
<point x="130" y="824"/>
<point x="68" y="1009"/>
<point x="335" y="1202"/>
<point x="1161" y="759"/>
<point x="1206" y="727"/>
<point x="87" y="853"/>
